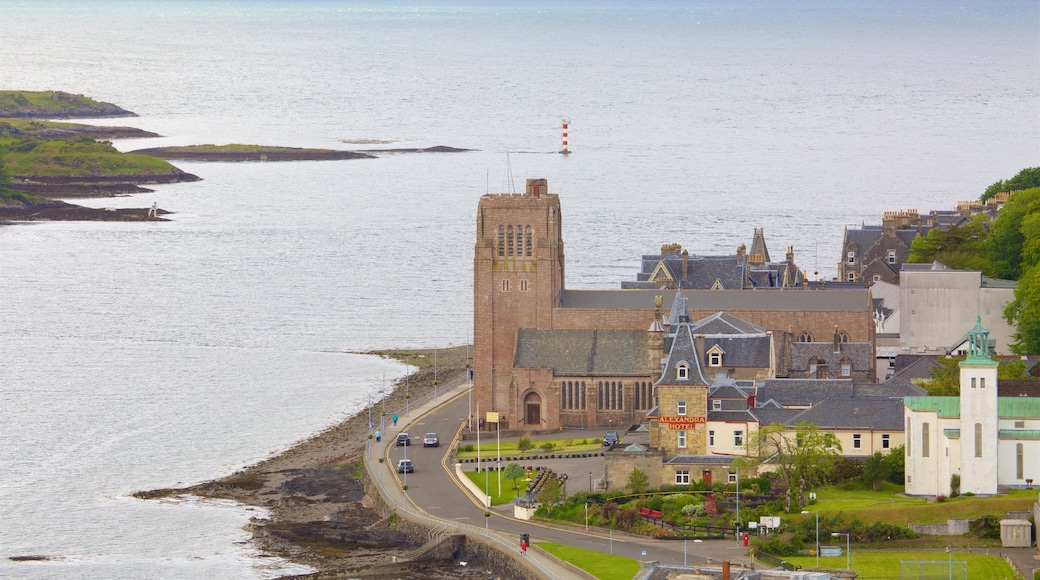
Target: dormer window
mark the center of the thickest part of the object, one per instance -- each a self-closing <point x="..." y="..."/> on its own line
<point x="682" y="371"/>
<point x="891" y="256"/>
<point x="715" y="356"/>
<point x="852" y="257"/>
<point x="716" y="405"/>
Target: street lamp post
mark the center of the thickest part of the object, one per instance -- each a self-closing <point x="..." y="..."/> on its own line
<point x="586" y="517"/>
<point x="950" y="552"/>
<point x="590" y="482"/>
<point x="817" y="538"/>
<point x="848" y="548"/>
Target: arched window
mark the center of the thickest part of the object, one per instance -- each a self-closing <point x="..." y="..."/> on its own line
<point x="509" y="240"/>
<point x="843" y="336"/>
<point x="682" y="371"/>
<point x="806" y="336"/>
<point x="519" y="241"/>
<point x="501" y="241"/>
<point x="527" y="241"/>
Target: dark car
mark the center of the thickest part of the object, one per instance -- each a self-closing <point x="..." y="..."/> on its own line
<point x="610" y="438"/>
<point x="431" y="440"/>
<point x="403" y="439"/>
<point x="405" y="466"/>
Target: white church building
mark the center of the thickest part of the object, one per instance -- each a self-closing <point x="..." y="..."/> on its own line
<point x="989" y="441"/>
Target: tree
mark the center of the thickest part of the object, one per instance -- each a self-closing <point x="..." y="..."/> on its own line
<point x="638" y="481"/>
<point x="876" y="470"/>
<point x="896" y="460"/>
<point x="946" y="378"/>
<point x="1007" y="238"/>
<point x="514" y="472"/>
<point x="552" y="493"/>
<point x="1024" y="313"/>
<point x="1026" y="179"/>
<point x="962" y="247"/>
<point x="803" y="456"/>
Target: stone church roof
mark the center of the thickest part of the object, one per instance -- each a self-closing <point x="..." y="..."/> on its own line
<point x="720" y="300"/>
<point x="583" y="352"/>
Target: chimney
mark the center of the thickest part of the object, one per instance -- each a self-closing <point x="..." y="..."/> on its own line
<point x="837" y="340"/>
<point x="685" y="264"/>
<point x="741" y="253"/>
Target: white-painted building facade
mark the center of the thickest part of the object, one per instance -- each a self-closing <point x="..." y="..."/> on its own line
<point x="988" y="441"/>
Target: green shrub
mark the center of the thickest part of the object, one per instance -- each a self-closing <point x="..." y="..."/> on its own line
<point x="524" y="444"/>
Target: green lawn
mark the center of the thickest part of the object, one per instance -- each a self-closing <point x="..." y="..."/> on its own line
<point x="879" y="565"/>
<point x="884" y="506"/>
<point x="509" y="448"/>
<point x="508" y="490"/>
<point x="600" y="565"/>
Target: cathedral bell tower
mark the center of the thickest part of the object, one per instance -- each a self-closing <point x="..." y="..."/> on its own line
<point x="979" y="427"/>
<point x="517" y="280"/>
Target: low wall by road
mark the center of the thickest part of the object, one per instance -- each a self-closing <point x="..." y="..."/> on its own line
<point x="471" y="487"/>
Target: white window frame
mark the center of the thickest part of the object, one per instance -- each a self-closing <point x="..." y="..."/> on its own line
<point x="682" y="477"/>
<point x="680" y="440"/>
<point x="846" y="369"/>
<point x="877" y="278"/>
<point x="732" y="478"/>
<point x="738" y="438"/>
<point x="852" y="277"/>
<point x="857" y="441"/>
<point x="680" y="408"/>
<point x="886" y="441"/>
<point x="891" y="256"/>
<point x="716" y="405"/>
<point x="852" y="257"/>
<point x="682" y="371"/>
<point x="714" y="359"/>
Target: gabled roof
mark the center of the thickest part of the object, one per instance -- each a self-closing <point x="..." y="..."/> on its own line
<point x="683" y="352"/>
<point x="722" y="323"/>
<point x="583" y="352"/>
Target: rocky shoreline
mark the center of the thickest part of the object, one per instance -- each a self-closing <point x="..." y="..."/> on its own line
<point x="322" y="515"/>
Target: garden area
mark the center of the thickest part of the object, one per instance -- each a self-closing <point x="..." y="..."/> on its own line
<point x="514" y="481"/>
<point x="526" y="448"/>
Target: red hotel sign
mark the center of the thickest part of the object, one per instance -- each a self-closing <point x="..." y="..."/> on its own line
<point x="681" y="423"/>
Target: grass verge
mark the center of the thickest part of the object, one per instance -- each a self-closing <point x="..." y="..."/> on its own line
<point x="508" y="490"/>
<point x="878" y="565"/>
<point x="510" y="448"/>
<point x="600" y="565"/>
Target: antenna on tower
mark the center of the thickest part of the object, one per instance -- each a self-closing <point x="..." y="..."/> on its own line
<point x="509" y="174"/>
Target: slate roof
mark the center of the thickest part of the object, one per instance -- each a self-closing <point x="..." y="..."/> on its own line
<point x="741" y="351"/>
<point x="583" y="352"/>
<point x="723" y="323"/>
<point x="683" y="351"/>
<point x="801" y="392"/>
<point x="889" y="389"/>
<point x="854" y="412"/>
<point x="860" y="354"/>
<point x="1018" y="388"/>
<point x="721" y="300"/>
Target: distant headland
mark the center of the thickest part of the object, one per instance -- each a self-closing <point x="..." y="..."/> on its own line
<point x="42" y="159"/>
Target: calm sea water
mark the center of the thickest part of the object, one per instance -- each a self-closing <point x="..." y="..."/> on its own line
<point x="135" y="356"/>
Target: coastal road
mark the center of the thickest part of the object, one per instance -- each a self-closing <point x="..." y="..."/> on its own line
<point x="434" y="489"/>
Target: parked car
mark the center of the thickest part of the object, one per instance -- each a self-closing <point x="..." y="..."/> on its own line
<point x="610" y="438"/>
<point x="405" y="466"/>
<point x="403" y="439"/>
<point x="431" y="440"/>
